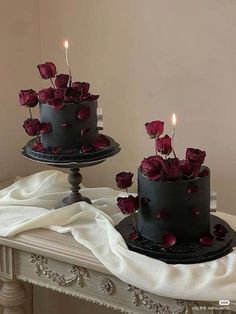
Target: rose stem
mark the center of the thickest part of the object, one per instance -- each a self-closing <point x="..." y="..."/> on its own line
<point x="52" y="83"/>
<point x="30" y="112"/>
<point x="156" y="138"/>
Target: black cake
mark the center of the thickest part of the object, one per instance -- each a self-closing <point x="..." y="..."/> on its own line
<point x="179" y="207"/>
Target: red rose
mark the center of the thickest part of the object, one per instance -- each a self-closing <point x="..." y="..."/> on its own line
<point x="62" y="80"/>
<point x="124" y="180"/>
<point x="171" y="168"/>
<point x="47" y="70"/>
<point x="152" y="167"/>
<point x="189" y="169"/>
<point x="83" y="87"/>
<point x="100" y="142"/>
<point x="128" y="205"/>
<point x="46" y="128"/>
<point x="195" y="155"/>
<point x="72" y="95"/>
<point x="84" y="113"/>
<point x="163" y="145"/>
<point x="154" y="128"/>
<point x="32" y="126"/>
<point x="57" y="102"/>
<point x="28" y="98"/>
<point x="45" y="94"/>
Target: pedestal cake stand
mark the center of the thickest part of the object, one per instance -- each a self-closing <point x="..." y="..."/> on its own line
<point x="74" y="162"/>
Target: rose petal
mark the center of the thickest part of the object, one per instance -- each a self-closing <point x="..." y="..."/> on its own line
<point x="206" y="240"/>
<point x="169" y="240"/>
<point x="192" y="188"/>
<point x="38" y="147"/>
<point x="133" y="236"/>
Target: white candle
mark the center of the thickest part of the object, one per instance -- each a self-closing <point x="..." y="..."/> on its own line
<point x="66" y="45"/>
<point x="173" y="134"/>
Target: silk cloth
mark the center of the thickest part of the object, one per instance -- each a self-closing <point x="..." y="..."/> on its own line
<point x="28" y="204"/>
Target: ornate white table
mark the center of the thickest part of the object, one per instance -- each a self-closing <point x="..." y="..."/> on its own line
<point x="56" y="261"/>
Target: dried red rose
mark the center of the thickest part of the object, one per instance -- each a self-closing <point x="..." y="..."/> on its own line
<point x="206" y="240"/>
<point x="38" y="147"/>
<point x="169" y="240"/>
<point x="83" y="87"/>
<point x="163" y="145"/>
<point x="171" y="168"/>
<point x="195" y="155"/>
<point x="73" y="95"/>
<point x="100" y="142"/>
<point x="220" y="231"/>
<point x="204" y="173"/>
<point x="45" y="94"/>
<point x="46" y="128"/>
<point x="124" y="180"/>
<point x="128" y="205"/>
<point x="189" y="169"/>
<point x="28" y="98"/>
<point x="154" y="128"/>
<point x="151" y="167"/>
<point x="32" y="126"/>
<point x="84" y="113"/>
<point x="47" y="70"/>
<point x="61" y="80"/>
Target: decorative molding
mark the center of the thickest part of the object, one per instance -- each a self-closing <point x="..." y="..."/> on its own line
<point x="77" y="295"/>
<point x="42" y="269"/>
<point x="106" y="286"/>
<point x="6" y="262"/>
<point x="139" y="297"/>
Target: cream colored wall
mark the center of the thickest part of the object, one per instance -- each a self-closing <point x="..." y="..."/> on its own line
<point x="19" y="54"/>
<point x="148" y="59"/>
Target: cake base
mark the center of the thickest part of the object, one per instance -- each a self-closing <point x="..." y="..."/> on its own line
<point x="180" y="253"/>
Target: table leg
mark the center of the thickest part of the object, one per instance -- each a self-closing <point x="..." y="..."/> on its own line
<point x="12" y="297"/>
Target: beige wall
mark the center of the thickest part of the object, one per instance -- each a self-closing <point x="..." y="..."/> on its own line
<point x="148" y="59"/>
<point x="19" y="54"/>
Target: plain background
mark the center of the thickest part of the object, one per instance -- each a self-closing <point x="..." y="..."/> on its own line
<point x="147" y="59"/>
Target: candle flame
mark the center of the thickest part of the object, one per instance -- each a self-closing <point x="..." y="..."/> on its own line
<point x="66" y="44"/>
<point x="174" y="120"/>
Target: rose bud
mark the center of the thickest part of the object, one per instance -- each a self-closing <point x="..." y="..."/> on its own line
<point x="45" y="94"/>
<point x="46" y="128"/>
<point x="47" y="70"/>
<point x="62" y="80"/>
<point x="32" y="126"/>
<point x="84" y="113"/>
<point x="124" y="180"/>
<point x="163" y="145"/>
<point x="195" y="155"/>
<point x="101" y="142"/>
<point x="28" y="98"/>
<point x="128" y="205"/>
<point x="154" y="128"/>
<point x="189" y="169"/>
<point x="151" y="167"/>
<point x="171" y="168"/>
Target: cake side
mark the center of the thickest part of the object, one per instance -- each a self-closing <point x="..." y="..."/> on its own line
<point x="180" y="207"/>
<point x="72" y="126"/>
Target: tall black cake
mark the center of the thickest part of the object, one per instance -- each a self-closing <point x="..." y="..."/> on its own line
<point x="170" y="217"/>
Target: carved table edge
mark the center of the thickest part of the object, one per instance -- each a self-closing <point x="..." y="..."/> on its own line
<point x="77" y="295"/>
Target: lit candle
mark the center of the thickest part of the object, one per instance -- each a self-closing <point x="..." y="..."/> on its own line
<point x="173" y="134"/>
<point x="66" y="45"/>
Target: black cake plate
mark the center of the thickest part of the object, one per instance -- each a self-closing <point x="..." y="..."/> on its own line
<point x="180" y="253"/>
<point x="74" y="161"/>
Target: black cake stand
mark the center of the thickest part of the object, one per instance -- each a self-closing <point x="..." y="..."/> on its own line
<point x="74" y="163"/>
<point x="180" y="253"/>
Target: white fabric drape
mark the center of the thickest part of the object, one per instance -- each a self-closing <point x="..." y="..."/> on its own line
<point x="27" y="205"/>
